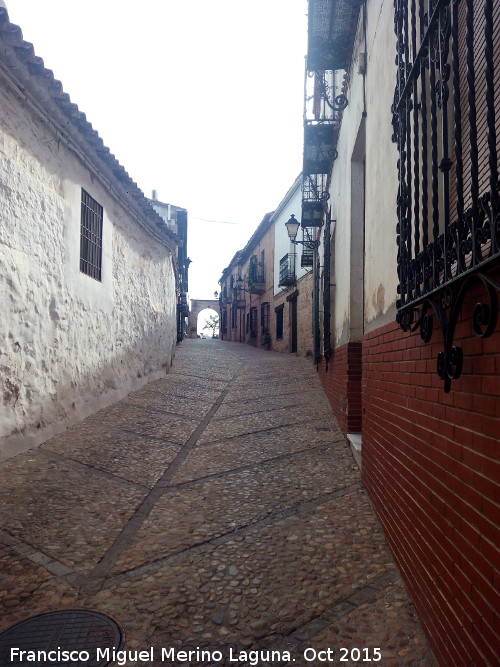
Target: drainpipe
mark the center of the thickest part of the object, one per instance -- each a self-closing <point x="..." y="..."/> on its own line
<point x="316" y="332"/>
<point x="326" y="291"/>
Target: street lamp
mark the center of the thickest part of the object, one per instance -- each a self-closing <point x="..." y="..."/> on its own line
<point x="312" y="244"/>
<point x="216" y="294"/>
<point x="292" y="227"/>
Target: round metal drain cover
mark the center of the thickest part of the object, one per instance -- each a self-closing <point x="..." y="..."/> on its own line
<point x="73" y="638"/>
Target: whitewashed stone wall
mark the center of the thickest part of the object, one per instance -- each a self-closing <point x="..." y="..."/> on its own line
<point x="69" y="344"/>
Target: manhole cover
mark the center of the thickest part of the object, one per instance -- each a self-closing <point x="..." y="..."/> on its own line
<point x="73" y="638"/>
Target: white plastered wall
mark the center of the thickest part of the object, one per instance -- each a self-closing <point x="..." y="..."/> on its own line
<point x="282" y="243"/>
<point x="69" y="344"/>
<point x="381" y="175"/>
<point x="366" y="257"/>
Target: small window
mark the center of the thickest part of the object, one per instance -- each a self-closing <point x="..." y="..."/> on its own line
<point x="279" y="322"/>
<point x="91" y="237"/>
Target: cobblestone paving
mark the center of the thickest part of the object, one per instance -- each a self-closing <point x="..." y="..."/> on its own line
<point x="216" y="509"/>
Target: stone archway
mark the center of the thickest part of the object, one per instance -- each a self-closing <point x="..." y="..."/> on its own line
<point x="197" y="305"/>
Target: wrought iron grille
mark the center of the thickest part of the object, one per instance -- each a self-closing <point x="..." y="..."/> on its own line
<point x="264" y="317"/>
<point x="91" y="237"/>
<point x="287" y="270"/>
<point x="279" y="321"/>
<point x="446" y="120"/>
<point x="307" y="257"/>
<point x="255" y="271"/>
<point x="253" y="322"/>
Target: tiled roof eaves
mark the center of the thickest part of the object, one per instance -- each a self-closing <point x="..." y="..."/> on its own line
<point x="38" y="88"/>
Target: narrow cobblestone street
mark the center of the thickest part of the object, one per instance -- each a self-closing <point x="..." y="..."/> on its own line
<point x="217" y="507"/>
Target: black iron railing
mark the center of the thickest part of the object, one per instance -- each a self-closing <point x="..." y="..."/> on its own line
<point x="287" y="270"/>
<point x="446" y="125"/>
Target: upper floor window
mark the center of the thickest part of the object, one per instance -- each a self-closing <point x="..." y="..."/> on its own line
<point x="91" y="237"/>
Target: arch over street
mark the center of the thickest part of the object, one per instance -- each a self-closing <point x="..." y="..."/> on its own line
<point x="197" y="305"/>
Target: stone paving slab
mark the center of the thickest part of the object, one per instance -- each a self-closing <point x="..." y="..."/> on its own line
<point x="185" y="386"/>
<point x="209" y="459"/>
<point x="146" y="421"/>
<point x="216" y="506"/>
<point x="69" y="511"/>
<point x="230" y="427"/>
<point x="176" y="405"/>
<point x="209" y="510"/>
<point x="275" y="401"/>
<point x="136" y="458"/>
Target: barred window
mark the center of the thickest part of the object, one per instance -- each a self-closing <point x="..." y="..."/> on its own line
<point x="446" y="118"/>
<point x="279" y="321"/>
<point x="253" y="322"/>
<point x="91" y="237"/>
<point x="264" y="318"/>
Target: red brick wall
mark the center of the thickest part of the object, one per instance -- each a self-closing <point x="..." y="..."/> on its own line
<point x="430" y="465"/>
<point x="342" y="384"/>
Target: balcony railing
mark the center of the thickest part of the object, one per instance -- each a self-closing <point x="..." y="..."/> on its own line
<point x="287" y="270"/>
<point x="307" y="258"/>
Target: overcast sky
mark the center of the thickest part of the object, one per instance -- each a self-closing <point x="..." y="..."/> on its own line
<point x="201" y="100"/>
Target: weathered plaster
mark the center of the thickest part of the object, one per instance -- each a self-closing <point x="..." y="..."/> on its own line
<point x="69" y="344"/>
<point x="363" y="266"/>
<point x="381" y="156"/>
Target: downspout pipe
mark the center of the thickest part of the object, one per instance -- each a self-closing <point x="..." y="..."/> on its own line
<point x="315" y="313"/>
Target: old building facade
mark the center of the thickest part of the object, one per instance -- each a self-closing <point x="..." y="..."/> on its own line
<point x="266" y="290"/>
<point x="176" y="219"/>
<point x="401" y="142"/>
<point x="400" y="208"/>
<point x="87" y="267"/>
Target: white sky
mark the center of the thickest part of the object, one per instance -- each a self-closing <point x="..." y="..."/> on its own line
<point x="201" y="100"/>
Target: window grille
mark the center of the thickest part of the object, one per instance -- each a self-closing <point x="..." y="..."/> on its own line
<point x="287" y="270"/>
<point x="91" y="237"/>
<point x="307" y="257"/>
<point x="279" y="322"/>
<point x="253" y="322"/>
<point x="264" y="318"/>
<point x="256" y="270"/>
<point x="446" y="119"/>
